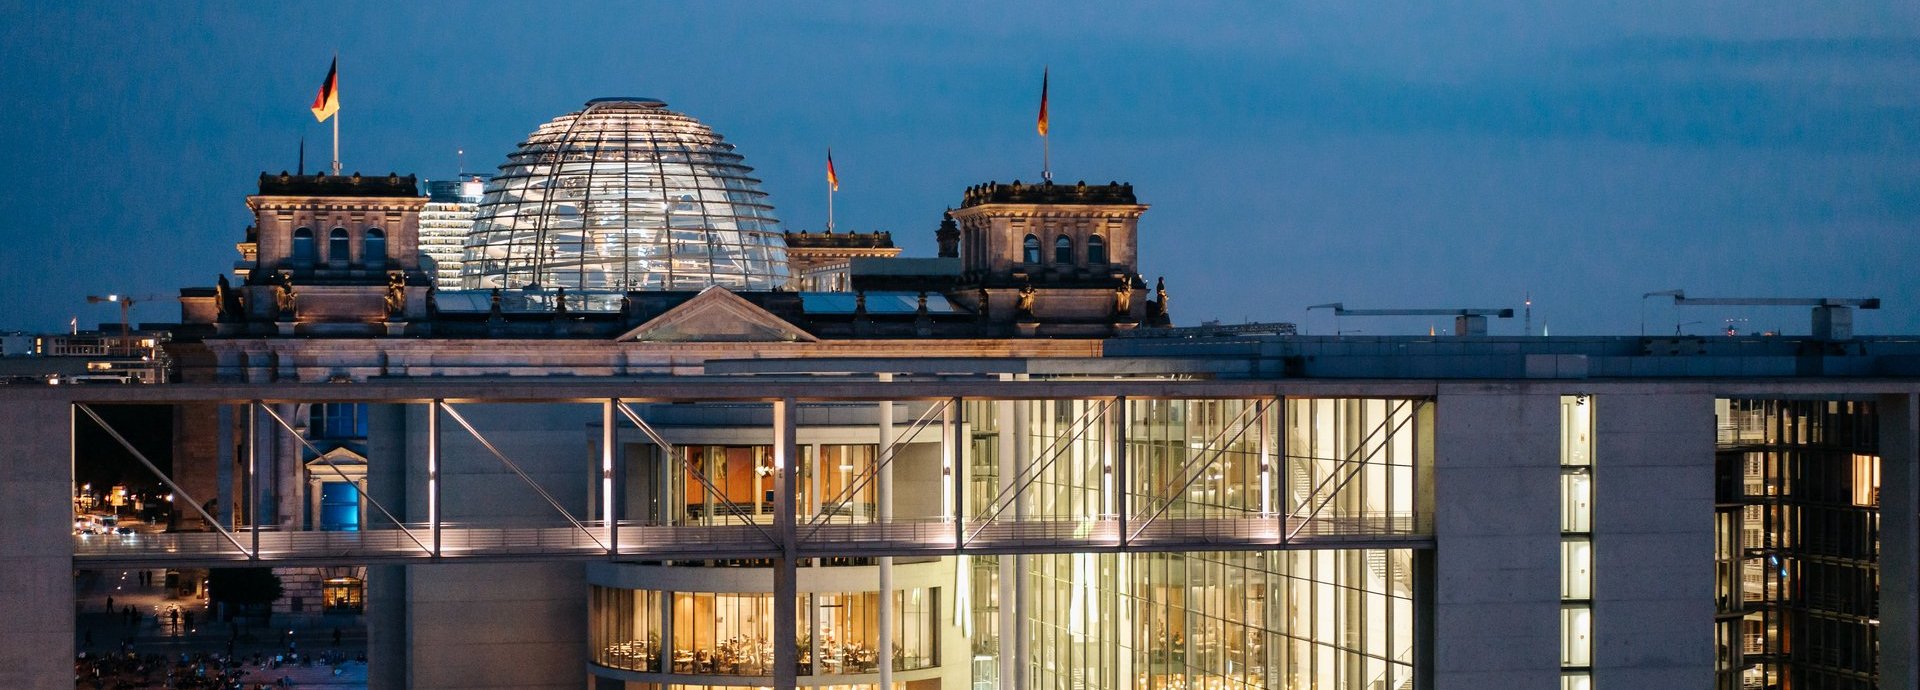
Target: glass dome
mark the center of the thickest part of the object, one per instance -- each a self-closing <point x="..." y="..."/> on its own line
<point x="624" y="195"/>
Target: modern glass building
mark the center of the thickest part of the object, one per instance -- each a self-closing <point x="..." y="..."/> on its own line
<point x="444" y="224"/>
<point x="625" y="194"/>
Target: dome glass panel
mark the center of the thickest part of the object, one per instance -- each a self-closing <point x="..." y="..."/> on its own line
<point x="625" y="195"/>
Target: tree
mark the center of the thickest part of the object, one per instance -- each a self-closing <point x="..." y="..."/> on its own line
<point x="244" y="588"/>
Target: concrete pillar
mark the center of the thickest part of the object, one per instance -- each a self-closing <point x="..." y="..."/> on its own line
<point x="1653" y="541"/>
<point x="1022" y="457"/>
<point x="785" y="578"/>
<point x="289" y="473"/>
<point x="1496" y="603"/>
<point x="1009" y="628"/>
<point x="36" y="544"/>
<point x="223" y="509"/>
<point x="883" y="494"/>
<point x="1899" y="542"/>
<point x="388" y="479"/>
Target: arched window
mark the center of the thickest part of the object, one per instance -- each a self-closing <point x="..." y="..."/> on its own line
<point x="303" y="246"/>
<point x="1096" y="251"/>
<point x="1063" y="250"/>
<point x="373" y="248"/>
<point x="1032" y="254"/>
<point x="337" y="246"/>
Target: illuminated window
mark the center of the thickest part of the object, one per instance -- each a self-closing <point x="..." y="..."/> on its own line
<point x="1032" y="252"/>
<point x="343" y="594"/>
<point x="1576" y="636"/>
<point x="1866" y="480"/>
<point x="1063" y="250"/>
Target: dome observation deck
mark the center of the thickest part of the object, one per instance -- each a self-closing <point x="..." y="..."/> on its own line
<point x="624" y="194"/>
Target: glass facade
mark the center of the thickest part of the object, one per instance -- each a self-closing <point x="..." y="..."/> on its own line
<point x="730" y="634"/>
<point x="627" y="195"/>
<point x="1159" y="469"/>
<point x="1797" y="553"/>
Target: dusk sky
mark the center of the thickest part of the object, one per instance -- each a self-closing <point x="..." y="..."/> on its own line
<point x="1462" y="155"/>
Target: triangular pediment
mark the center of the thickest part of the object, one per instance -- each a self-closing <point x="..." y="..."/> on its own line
<point x="339" y="457"/>
<point x="716" y="315"/>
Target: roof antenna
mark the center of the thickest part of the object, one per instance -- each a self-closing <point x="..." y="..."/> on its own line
<point x="461" y="162"/>
<point x="300" y="168"/>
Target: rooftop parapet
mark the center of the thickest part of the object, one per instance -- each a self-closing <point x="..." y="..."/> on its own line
<point x="838" y="240"/>
<point x="355" y="185"/>
<point x="1111" y="193"/>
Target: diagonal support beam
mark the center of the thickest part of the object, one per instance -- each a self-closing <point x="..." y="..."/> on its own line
<point x="302" y="438"/>
<point x="504" y="460"/>
<point x="137" y="455"/>
<point x="885" y="458"/>
<point x="1390" y="428"/>
<point x="705" y="483"/>
<point x="1217" y="447"/>
<point x="1006" y="497"/>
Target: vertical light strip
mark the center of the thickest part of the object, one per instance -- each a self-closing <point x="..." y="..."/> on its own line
<point x="606" y="476"/>
<point x="1576" y="541"/>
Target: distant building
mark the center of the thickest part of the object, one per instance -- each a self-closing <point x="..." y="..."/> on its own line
<point x="822" y="262"/>
<point x="84" y="357"/>
<point x="444" y="224"/>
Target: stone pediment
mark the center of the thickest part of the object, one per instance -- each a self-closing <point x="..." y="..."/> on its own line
<point x="340" y="457"/>
<point x="716" y="315"/>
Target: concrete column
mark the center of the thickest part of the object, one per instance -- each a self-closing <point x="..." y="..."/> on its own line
<point x="785" y="576"/>
<point x="1652" y="541"/>
<point x="1008" y="628"/>
<point x="288" y="472"/>
<point x="1496" y="609"/>
<point x="883" y="495"/>
<point x="1022" y="457"/>
<point x="388" y="481"/>
<point x="223" y="466"/>
<point x="36" y="544"/>
<point x="1899" y="542"/>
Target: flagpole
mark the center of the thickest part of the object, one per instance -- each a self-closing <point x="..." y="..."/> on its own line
<point x="829" y="208"/>
<point x="336" y="115"/>
<point x="1046" y="158"/>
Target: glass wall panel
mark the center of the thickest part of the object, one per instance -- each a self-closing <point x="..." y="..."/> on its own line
<point x="625" y="629"/>
<point x="1282" y="619"/>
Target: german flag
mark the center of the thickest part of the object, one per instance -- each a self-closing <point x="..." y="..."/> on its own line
<point x="1042" y="126"/>
<point x="327" y="102"/>
<point x="833" y="178"/>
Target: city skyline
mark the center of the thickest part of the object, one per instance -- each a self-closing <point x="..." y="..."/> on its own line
<point x="1580" y="156"/>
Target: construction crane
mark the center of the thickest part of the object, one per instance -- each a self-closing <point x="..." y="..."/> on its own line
<point x="126" y="303"/>
<point x="1465" y="321"/>
<point x="1832" y="316"/>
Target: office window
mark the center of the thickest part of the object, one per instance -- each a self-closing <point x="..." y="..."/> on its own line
<point x="1096" y="251"/>
<point x="1063" y="250"/>
<point x="1031" y="251"/>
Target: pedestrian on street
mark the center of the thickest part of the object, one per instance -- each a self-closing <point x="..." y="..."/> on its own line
<point x="109" y="602"/>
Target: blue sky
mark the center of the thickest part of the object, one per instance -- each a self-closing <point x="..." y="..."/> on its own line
<point x="1459" y="154"/>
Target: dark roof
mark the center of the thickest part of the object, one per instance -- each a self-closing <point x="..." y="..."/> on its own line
<point x="1048" y="193"/>
<point x="287" y="184"/>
